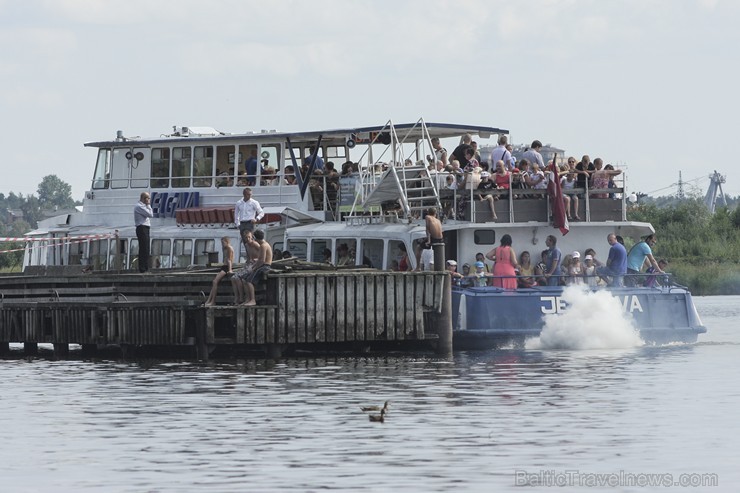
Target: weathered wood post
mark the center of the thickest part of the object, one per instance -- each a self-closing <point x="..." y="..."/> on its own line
<point x="443" y="321"/>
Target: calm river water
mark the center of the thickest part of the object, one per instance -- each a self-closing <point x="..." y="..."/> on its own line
<point x="503" y="420"/>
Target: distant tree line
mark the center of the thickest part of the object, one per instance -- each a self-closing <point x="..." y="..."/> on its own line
<point x="703" y="249"/>
<point x="19" y="214"/>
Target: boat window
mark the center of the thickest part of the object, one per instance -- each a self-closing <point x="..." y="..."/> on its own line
<point x="77" y="253"/>
<point x="102" y="170"/>
<point x="161" y="254"/>
<point x="118" y="262"/>
<point x="247" y="154"/>
<point x="181" y="157"/>
<point x="99" y="254"/>
<point x="484" y="237"/>
<point x="341" y="258"/>
<point x="297" y="248"/>
<point x="225" y="157"/>
<point x="182" y="253"/>
<point x="336" y="152"/>
<point x="394" y="254"/>
<point x="134" y="253"/>
<point x="160" y="167"/>
<point x="317" y="249"/>
<point x="203" y="166"/>
<point x="278" y="245"/>
<point x="140" y="167"/>
<point x="119" y="171"/>
<point x="271" y="153"/>
<point x="372" y="253"/>
<point x="297" y="152"/>
<point x="202" y="249"/>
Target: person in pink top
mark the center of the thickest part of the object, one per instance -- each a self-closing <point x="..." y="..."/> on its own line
<point x="504" y="269"/>
<point x="501" y="177"/>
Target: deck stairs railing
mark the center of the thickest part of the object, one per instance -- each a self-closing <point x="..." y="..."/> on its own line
<point x="407" y="178"/>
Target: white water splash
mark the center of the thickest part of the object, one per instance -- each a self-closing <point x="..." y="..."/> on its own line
<point x="592" y="320"/>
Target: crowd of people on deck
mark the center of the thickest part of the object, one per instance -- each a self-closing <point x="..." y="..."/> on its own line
<point x="453" y="174"/>
<point x="463" y="170"/>
<point x="509" y="271"/>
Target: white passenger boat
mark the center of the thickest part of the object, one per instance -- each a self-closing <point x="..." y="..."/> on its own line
<point x="196" y="175"/>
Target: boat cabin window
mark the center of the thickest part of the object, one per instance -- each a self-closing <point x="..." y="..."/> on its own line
<point x="133" y="253"/>
<point x="182" y="253"/>
<point x="203" y="166"/>
<point x="140" y="168"/>
<point x="484" y="237"/>
<point x="394" y="255"/>
<point x="270" y="156"/>
<point x="202" y="249"/>
<point x="181" y="161"/>
<point x="99" y="254"/>
<point x="247" y="165"/>
<point x="77" y="253"/>
<point x="346" y="251"/>
<point x="317" y="249"/>
<point x="297" y="248"/>
<point x="161" y="254"/>
<point x="160" y="167"/>
<point x="372" y="251"/>
<point x="336" y="153"/>
<point x="225" y="159"/>
<point x="102" y="169"/>
<point x="297" y="153"/>
<point x="119" y="172"/>
<point x="118" y="259"/>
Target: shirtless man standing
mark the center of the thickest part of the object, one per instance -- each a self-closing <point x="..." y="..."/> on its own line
<point x="434" y="227"/>
<point x="239" y="279"/>
<point x="435" y="238"/>
<point x="261" y="265"/>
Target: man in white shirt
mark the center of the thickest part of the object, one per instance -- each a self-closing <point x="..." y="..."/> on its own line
<point x="247" y="212"/>
<point x="142" y="215"/>
<point x="500" y="153"/>
<point x="533" y="154"/>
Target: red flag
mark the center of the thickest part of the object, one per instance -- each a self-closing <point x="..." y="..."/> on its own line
<point x="557" y="206"/>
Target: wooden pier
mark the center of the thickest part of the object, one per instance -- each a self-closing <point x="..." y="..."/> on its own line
<point x="326" y="311"/>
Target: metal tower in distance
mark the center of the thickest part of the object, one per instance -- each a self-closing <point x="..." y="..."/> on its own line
<point x="715" y="186"/>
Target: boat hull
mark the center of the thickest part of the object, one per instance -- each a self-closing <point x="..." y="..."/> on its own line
<point x="485" y="317"/>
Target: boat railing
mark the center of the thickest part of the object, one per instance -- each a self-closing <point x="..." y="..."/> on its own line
<point x="524" y="205"/>
<point x="642" y="280"/>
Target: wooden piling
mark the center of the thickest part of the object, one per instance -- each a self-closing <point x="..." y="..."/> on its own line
<point x="443" y="320"/>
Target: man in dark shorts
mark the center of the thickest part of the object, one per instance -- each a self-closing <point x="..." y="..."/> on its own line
<point x="261" y="265"/>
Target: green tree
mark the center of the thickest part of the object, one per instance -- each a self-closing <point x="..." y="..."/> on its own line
<point x="31" y="208"/>
<point x="12" y="260"/>
<point x="54" y="193"/>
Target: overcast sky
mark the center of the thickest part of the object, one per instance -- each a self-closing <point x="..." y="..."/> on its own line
<point x="648" y="84"/>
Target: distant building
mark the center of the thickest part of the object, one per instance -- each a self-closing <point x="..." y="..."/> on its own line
<point x="12" y="215"/>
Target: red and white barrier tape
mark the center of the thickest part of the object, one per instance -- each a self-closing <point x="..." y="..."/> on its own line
<point x="7" y="239"/>
<point x="53" y="241"/>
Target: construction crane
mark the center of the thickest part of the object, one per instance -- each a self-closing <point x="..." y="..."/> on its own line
<point x="715" y="185"/>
